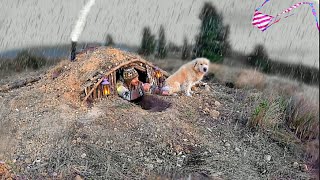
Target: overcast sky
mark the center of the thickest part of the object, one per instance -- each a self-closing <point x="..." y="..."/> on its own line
<point x="50" y="22"/>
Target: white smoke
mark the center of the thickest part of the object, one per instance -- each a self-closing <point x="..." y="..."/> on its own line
<point x="78" y="28"/>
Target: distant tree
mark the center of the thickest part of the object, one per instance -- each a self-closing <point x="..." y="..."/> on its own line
<point x="259" y="58"/>
<point x="186" y="51"/>
<point x="147" y="43"/>
<point x="212" y="41"/>
<point x="162" y="44"/>
<point x="109" y="41"/>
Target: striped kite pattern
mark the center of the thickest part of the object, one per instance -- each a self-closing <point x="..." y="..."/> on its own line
<point x="263" y="22"/>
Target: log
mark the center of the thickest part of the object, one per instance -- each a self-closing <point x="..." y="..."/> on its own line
<point x="117" y="67"/>
<point x="19" y="83"/>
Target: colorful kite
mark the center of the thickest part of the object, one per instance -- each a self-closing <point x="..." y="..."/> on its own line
<point x="263" y="22"/>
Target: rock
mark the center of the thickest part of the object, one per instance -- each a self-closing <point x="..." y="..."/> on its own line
<point x="207" y="88"/>
<point x="237" y="149"/>
<point x="267" y="157"/>
<point x="304" y="168"/>
<point x="28" y="161"/>
<point x="38" y="160"/>
<point x="227" y="144"/>
<point x="214" y="113"/>
<point x="78" y="178"/>
<point x="150" y="166"/>
<point x="83" y="155"/>
<point x="159" y="161"/>
<point x="78" y="139"/>
<point x="217" y="103"/>
<point x="295" y="164"/>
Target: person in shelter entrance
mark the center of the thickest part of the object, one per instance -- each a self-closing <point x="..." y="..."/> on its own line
<point x="132" y="89"/>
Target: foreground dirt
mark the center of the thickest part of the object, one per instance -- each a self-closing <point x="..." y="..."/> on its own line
<point x="204" y="136"/>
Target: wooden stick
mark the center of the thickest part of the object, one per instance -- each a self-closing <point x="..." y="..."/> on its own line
<point x="95" y="94"/>
<point x="18" y="84"/>
<point x="99" y="92"/>
<point x="114" y="86"/>
<point x="117" y="67"/>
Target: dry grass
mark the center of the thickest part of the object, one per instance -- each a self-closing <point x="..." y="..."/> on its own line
<point x="289" y="110"/>
<point x="293" y="121"/>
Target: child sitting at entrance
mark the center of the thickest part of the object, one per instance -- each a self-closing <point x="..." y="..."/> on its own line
<point x="134" y="90"/>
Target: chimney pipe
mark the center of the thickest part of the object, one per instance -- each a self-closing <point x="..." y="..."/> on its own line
<point x="73" y="50"/>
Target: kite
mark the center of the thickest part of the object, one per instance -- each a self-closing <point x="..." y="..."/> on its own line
<point x="263" y="21"/>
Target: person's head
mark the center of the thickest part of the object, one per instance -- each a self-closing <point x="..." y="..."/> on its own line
<point x="131" y="76"/>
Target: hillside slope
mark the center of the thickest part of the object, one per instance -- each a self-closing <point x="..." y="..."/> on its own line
<point x="45" y="133"/>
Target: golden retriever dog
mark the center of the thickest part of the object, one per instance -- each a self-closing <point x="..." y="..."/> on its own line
<point x="187" y="75"/>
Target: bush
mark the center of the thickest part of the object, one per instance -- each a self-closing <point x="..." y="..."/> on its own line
<point x="26" y="60"/>
<point x="259" y="58"/>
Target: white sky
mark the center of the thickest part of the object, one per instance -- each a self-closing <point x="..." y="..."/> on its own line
<point x="50" y="22"/>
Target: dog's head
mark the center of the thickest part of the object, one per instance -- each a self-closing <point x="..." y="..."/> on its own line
<point x="201" y="65"/>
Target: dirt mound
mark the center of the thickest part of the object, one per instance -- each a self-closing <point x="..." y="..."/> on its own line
<point x="67" y="78"/>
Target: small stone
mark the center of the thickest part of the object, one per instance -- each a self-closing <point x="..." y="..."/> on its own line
<point x="227" y="144"/>
<point x="78" y="139"/>
<point x="207" y="88"/>
<point x="237" y="149"/>
<point x="217" y="103"/>
<point x="74" y="141"/>
<point x="83" y="155"/>
<point x="304" y="168"/>
<point x="206" y="109"/>
<point x="159" y="161"/>
<point x="267" y="157"/>
<point x="295" y="164"/>
<point x="150" y="166"/>
<point x="78" y="178"/>
<point x="214" y="113"/>
<point x="28" y="160"/>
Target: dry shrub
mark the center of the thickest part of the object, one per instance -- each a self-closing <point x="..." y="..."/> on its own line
<point x="251" y="79"/>
<point x="303" y="117"/>
<point x="268" y="114"/>
<point x="241" y="78"/>
<point x="299" y="114"/>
